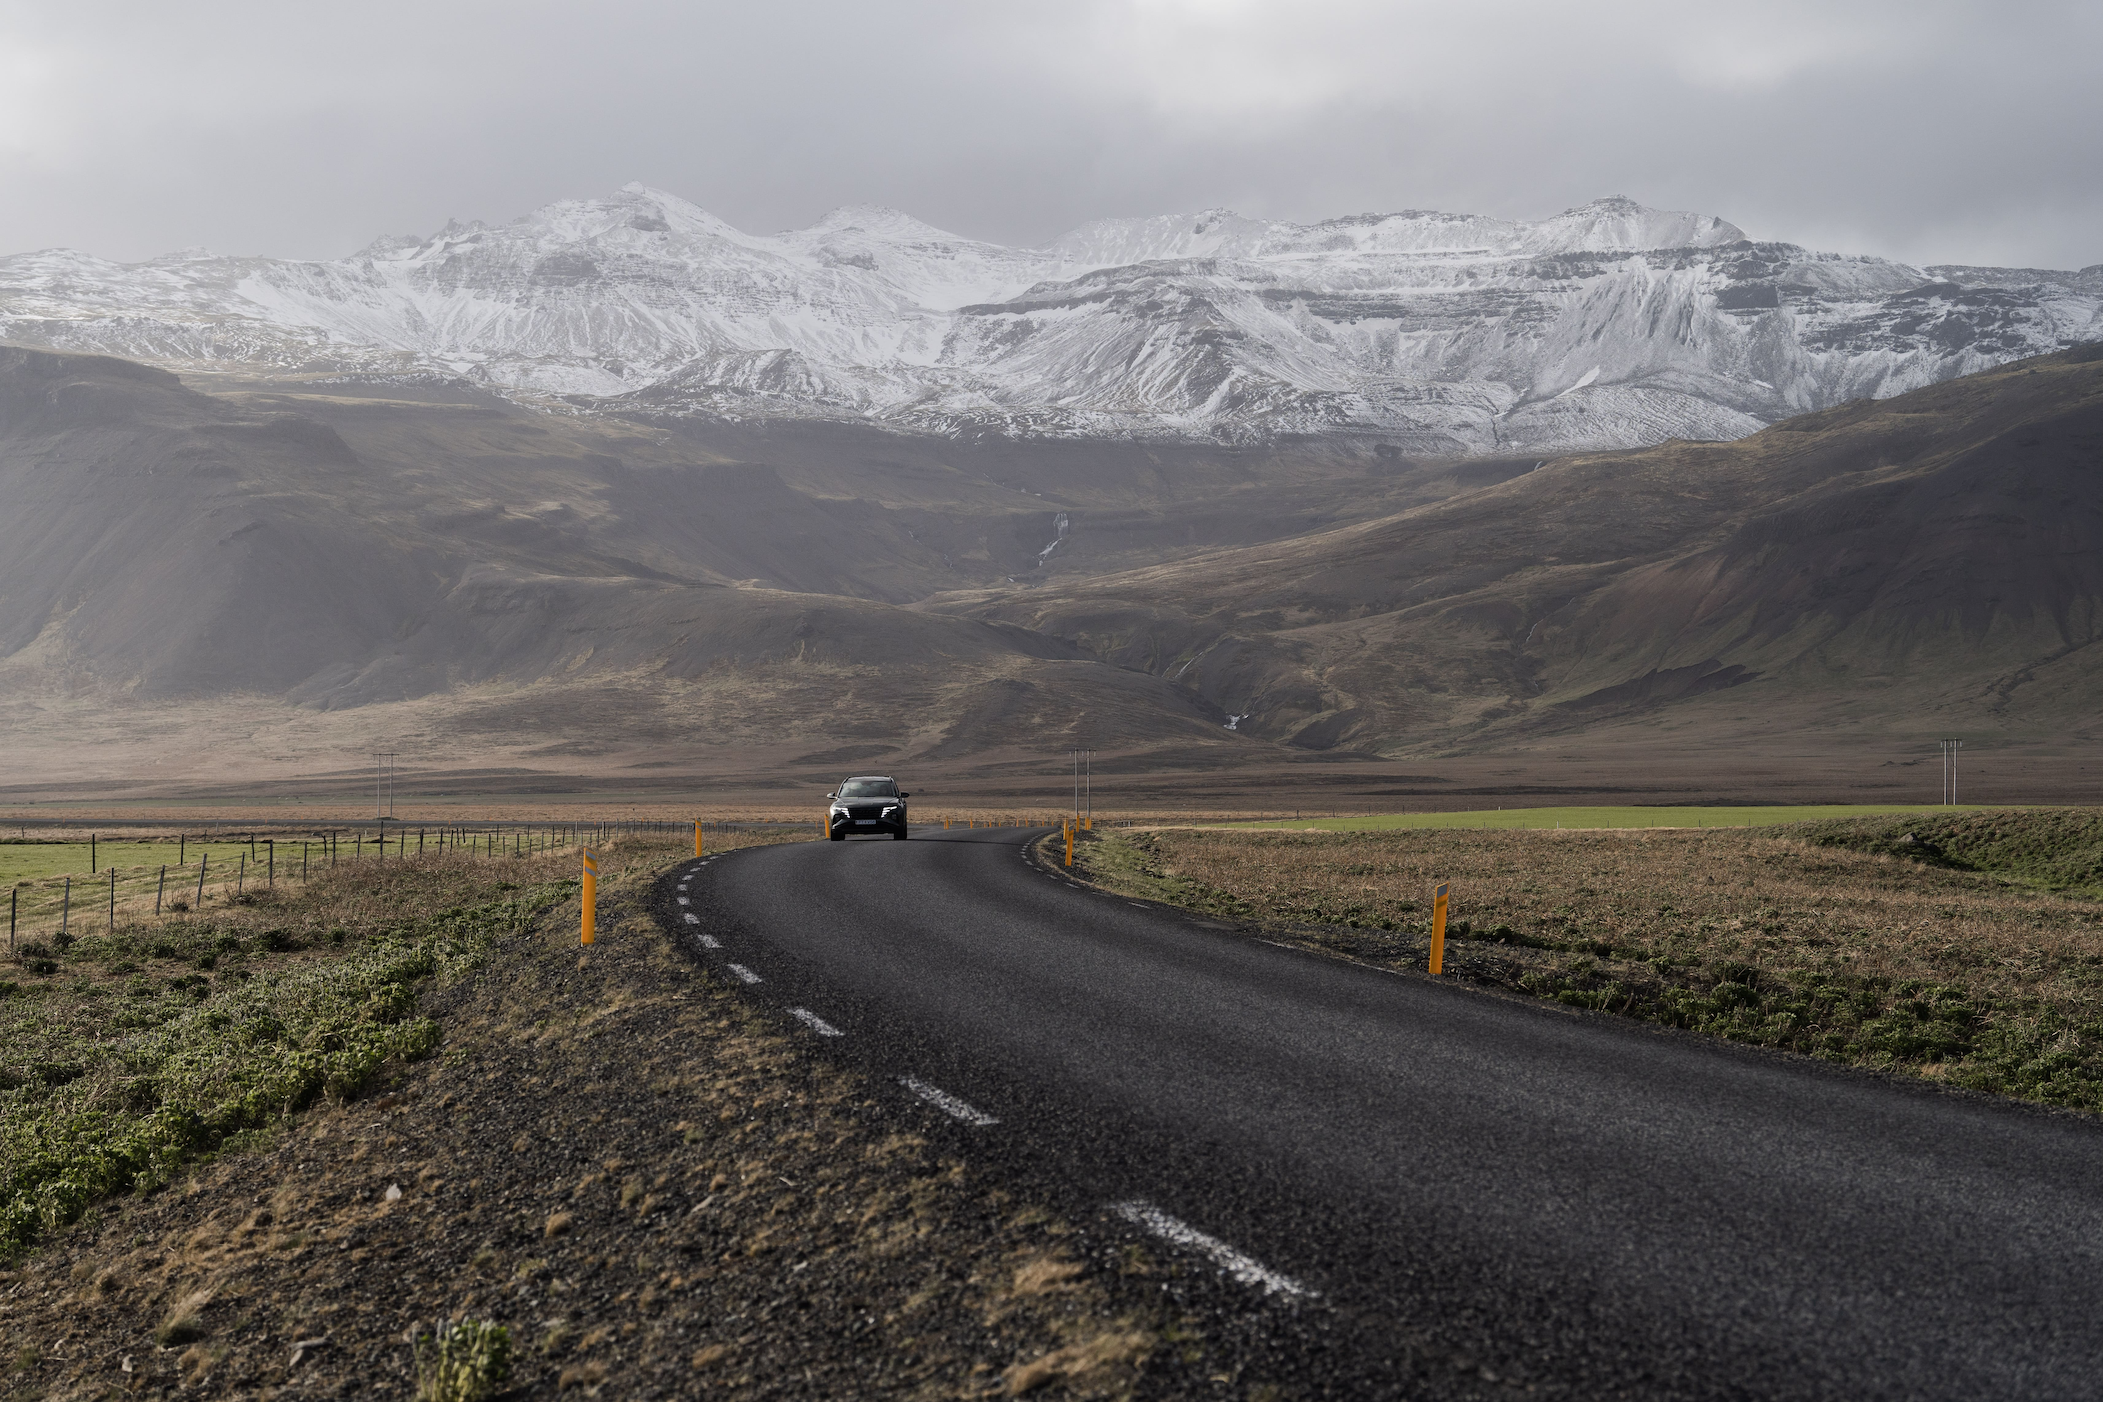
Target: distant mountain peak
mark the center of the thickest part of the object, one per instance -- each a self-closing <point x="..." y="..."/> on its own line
<point x="879" y="219"/>
<point x="1618" y="222"/>
<point x="1611" y="324"/>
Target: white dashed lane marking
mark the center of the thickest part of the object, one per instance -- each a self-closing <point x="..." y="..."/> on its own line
<point x="708" y="941"/>
<point x="692" y="919"/>
<point x="744" y="973"/>
<point x="811" y="1020"/>
<point x="1245" y="1269"/>
<point x="945" y="1102"/>
<point x="685" y="900"/>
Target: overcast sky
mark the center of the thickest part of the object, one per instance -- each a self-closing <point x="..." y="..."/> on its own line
<point x="1931" y="132"/>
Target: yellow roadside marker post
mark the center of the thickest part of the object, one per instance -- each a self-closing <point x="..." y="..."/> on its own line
<point x="591" y="894"/>
<point x="697" y="837"/>
<point x="1069" y="843"/>
<point x="1438" y="926"/>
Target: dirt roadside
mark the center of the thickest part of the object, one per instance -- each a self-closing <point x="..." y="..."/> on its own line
<point x="652" y="1187"/>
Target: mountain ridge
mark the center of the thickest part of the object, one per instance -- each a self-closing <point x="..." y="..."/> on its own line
<point x="1608" y="325"/>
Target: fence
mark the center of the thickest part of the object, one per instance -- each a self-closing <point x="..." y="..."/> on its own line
<point x="218" y="869"/>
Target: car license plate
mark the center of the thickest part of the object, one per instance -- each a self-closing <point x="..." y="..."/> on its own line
<point x="865" y="822"/>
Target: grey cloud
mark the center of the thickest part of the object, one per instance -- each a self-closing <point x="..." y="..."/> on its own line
<point x="1927" y="132"/>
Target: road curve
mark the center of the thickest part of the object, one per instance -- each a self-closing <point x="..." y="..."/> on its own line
<point x="1441" y="1191"/>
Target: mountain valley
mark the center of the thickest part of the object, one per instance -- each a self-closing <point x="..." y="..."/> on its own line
<point x="221" y="580"/>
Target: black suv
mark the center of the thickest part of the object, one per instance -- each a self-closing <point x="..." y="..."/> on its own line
<point x="870" y="804"/>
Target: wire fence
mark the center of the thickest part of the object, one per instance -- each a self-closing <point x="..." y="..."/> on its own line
<point x="63" y="888"/>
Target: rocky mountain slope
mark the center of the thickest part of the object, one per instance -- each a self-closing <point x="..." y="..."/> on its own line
<point x="1610" y="325"/>
<point x="1932" y="559"/>
<point x="446" y="572"/>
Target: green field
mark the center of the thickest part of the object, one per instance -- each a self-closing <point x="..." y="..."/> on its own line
<point x="38" y="861"/>
<point x="1608" y="817"/>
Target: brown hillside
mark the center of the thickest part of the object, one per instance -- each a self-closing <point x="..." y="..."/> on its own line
<point x="1936" y="552"/>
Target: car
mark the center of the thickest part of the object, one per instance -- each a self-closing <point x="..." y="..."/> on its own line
<point x="867" y="803"/>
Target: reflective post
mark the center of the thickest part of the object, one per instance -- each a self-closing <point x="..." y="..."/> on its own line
<point x="1438" y="926"/>
<point x="591" y="893"/>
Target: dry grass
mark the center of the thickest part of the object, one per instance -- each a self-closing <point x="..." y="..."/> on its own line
<point x="1859" y="957"/>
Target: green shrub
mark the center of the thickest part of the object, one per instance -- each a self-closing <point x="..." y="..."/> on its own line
<point x="252" y="1051"/>
<point x="464" y="1362"/>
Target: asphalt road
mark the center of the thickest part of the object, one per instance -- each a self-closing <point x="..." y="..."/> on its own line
<point x="1424" y="1189"/>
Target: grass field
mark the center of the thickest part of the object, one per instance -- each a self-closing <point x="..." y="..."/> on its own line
<point x="1628" y="817"/>
<point x="51" y="885"/>
<point x="1960" y="946"/>
<point x="39" y="861"/>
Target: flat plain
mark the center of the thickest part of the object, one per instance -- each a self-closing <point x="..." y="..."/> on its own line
<point x="1621" y="816"/>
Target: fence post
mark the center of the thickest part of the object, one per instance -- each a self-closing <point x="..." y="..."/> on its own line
<point x="113" y="900"/>
<point x="65" y="910"/>
<point x="241" y="875"/>
<point x="270" y="846"/>
<point x="202" y="862"/>
<point x="160" y="890"/>
<point x="93" y="865"/>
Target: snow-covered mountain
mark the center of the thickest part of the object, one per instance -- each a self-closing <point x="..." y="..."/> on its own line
<point x="1608" y="325"/>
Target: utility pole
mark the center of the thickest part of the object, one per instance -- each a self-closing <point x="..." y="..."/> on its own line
<point x="1949" y="770"/>
<point x="383" y="784"/>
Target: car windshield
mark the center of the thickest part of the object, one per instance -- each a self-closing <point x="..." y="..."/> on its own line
<point x="869" y="788"/>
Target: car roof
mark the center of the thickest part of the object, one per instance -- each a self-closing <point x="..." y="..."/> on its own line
<point x="852" y="777"/>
